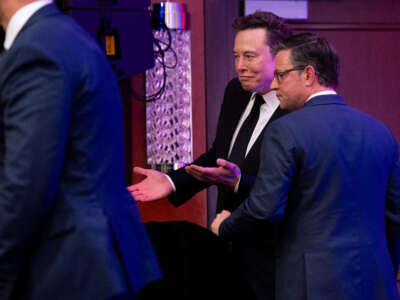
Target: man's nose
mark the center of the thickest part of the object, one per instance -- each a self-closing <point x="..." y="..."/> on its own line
<point x="274" y="84"/>
<point x="240" y="64"/>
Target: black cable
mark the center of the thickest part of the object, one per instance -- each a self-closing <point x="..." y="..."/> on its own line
<point x="161" y="48"/>
<point x="105" y="8"/>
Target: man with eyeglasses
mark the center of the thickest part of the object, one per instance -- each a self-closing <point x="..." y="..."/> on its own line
<point x="232" y="162"/>
<point x="330" y="175"/>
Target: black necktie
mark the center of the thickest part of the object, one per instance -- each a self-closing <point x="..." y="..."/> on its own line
<point x="242" y="139"/>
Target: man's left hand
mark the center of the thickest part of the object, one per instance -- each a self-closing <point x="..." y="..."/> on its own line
<point x="227" y="173"/>
<point x="218" y="220"/>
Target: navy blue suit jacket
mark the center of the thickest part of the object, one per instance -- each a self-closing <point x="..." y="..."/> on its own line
<point x="68" y="227"/>
<point x="329" y="173"/>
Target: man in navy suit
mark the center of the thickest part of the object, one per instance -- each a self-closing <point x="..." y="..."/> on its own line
<point x="69" y="229"/>
<point x="254" y="64"/>
<point x="330" y="174"/>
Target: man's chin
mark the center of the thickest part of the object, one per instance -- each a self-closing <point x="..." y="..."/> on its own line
<point x="247" y="86"/>
<point x="282" y="104"/>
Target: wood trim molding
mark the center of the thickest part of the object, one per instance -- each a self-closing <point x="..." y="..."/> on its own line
<point x="345" y="26"/>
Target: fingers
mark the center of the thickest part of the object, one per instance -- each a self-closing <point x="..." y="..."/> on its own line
<point x="131" y="188"/>
<point x="225" y="213"/>
<point x="232" y="172"/>
<point x="222" y="162"/>
<point x="215" y="225"/>
<point x="139" y="196"/>
<point x="137" y="192"/>
<point x="195" y="169"/>
<point x="138" y="186"/>
<point x="198" y="172"/>
<point x="214" y="175"/>
<point x="145" y="196"/>
<point x="139" y="170"/>
<point x="226" y="164"/>
<point x="218" y="220"/>
<point x="154" y="187"/>
<point x="205" y="172"/>
<point x="200" y="178"/>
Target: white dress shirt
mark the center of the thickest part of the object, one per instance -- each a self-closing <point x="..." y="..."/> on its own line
<point x="19" y="19"/>
<point x="321" y="94"/>
<point x="266" y="111"/>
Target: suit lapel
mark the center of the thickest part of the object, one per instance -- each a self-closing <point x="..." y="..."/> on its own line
<point x="257" y="144"/>
<point x="279" y="112"/>
<point x="230" y="116"/>
<point x="235" y="114"/>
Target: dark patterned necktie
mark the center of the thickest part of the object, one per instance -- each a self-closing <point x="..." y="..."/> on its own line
<point x="242" y="139"/>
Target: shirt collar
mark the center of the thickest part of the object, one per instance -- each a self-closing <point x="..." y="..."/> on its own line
<point x="19" y="19"/>
<point x="321" y="94"/>
<point x="269" y="98"/>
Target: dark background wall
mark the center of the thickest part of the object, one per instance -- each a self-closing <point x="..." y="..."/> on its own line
<point x="366" y="34"/>
<point x="219" y="68"/>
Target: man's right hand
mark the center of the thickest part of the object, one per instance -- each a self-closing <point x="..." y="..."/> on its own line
<point x="154" y="187"/>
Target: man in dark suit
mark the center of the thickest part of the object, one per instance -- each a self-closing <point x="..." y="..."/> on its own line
<point x="69" y="229"/>
<point x="330" y="174"/>
<point x="232" y="162"/>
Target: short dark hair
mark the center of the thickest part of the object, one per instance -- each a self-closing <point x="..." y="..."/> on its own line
<point x="276" y="27"/>
<point x="314" y="50"/>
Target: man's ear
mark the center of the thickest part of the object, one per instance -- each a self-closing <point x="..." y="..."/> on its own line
<point x="310" y="75"/>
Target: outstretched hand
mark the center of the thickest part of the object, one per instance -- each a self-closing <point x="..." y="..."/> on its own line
<point x="227" y="173"/>
<point x="154" y="187"/>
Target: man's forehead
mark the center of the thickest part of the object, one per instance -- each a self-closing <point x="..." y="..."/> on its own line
<point x="252" y="33"/>
<point x="250" y="40"/>
<point x="257" y="30"/>
<point x="283" y="58"/>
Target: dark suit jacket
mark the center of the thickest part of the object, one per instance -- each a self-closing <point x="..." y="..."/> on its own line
<point x="234" y="103"/>
<point x="331" y="174"/>
<point x="68" y="227"/>
<point x="256" y="255"/>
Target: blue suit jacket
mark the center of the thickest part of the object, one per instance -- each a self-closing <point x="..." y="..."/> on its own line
<point x="328" y="173"/>
<point x="68" y="227"/>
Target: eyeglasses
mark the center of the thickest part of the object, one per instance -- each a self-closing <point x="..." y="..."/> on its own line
<point x="279" y="75"/>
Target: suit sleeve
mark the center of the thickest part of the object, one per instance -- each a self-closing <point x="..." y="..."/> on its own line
<point x="35" y="106"/>
<point x="246" y="183"/>
<point x="186" y="185"/>
<point x="393" y="215"/>
<point x="247" y="180"/>
<point x="267" y="200"/>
